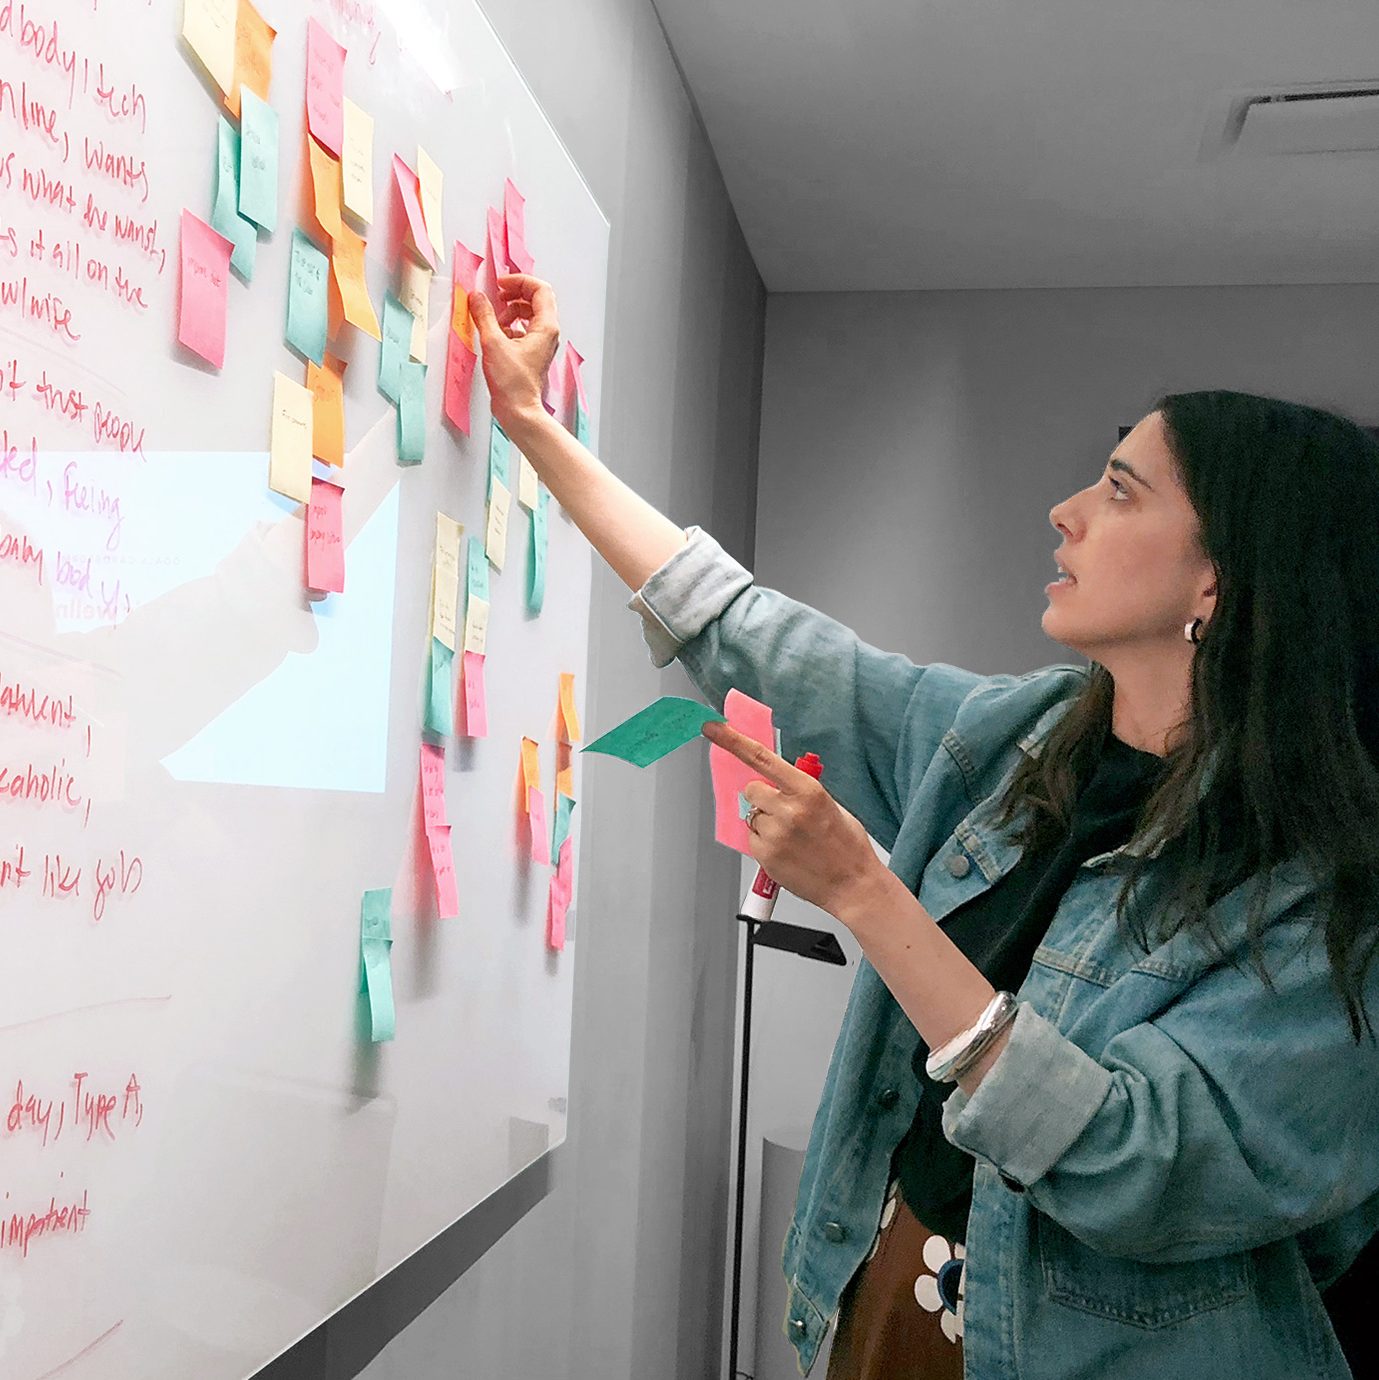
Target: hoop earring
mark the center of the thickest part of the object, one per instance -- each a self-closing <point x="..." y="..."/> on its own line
<point x="1190" y="632"/>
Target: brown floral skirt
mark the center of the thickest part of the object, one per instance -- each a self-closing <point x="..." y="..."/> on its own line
<point x="900" y="1317"/>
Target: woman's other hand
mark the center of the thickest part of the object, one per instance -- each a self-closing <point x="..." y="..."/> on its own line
<point x="518" y="341"/>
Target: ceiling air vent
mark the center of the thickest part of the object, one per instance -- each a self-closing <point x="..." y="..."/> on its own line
<point x="1315" y="120"/>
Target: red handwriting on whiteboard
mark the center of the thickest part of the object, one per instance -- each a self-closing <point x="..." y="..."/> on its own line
<point x="119" y="876"/>
<point x="20" y="1229"/>
<point x="88" y="1110"/>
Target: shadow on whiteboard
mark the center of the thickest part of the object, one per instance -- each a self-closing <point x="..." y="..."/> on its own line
<point x="272" y="1195"/>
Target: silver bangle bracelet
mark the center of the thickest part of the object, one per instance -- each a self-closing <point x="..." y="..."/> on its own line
<point x="949" y="1063"/>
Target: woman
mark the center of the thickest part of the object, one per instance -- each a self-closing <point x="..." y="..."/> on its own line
<point x="1159" y="1155"/>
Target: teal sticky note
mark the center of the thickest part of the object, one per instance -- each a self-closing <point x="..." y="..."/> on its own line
<point x="478" y="570"/>
<point x="564" y="809"/>
<point x="411" y="411"/>
<point x="663" y="726"/>
<point x="440" y="690"/>
<point x="225" y="215"/>
<point x="375" y="961"/>
<point x="306" y="299"/>
<point x="258" y="160"/>
<point x="581" y="424"/>
<point x="497" y="456"/>
<point x="397" y="346"/>
<point x="536" y="553"/>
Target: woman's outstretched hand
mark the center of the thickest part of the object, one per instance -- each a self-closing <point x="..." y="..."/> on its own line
<point x="518" y="340"/>
<point x="804" y="839"/>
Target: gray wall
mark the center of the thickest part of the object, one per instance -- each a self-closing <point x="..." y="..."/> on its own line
<point x="912" y="445"/>
<point x="617" y="1271"/>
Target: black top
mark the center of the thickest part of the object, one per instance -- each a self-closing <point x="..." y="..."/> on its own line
<point x="999" y="930"/>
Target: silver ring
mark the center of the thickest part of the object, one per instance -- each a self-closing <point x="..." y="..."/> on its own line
<point x="751" y="817"/>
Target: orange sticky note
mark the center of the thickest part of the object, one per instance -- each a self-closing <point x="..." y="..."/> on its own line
<point x="254" y="37"/>
<point x="209" y="28"/>
<point x="730" y="774"/>
<point x="327" y="409"/>
<point x="475" y="697"/>
<point x="564" y="772"/>
<point x="433" y="810"/>
<point x="409" y="188"/>
<point x="443" y="869"/>
<point x="205" y="285"/>
<point x="459" y="381"/>
<point x="465" y="271"/>
<point x="531" y="767"/>
<point x="325" y="538"/>
<point x="568" y="713"/>
<point x="347" y="265"/>
<point x="325" y="87"/>
<point x="325" y="183"/>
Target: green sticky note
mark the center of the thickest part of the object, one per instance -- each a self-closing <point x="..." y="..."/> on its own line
<point x="306" y="299"/>
<point x="375" y="961"/>
<point x="478" y="569"/>
<point x="581" y="424"/>
<point x="411" y="411"/>
<point x="663" y="726"/>
<point x="497" y="456"/>
<point x="440" y="692"/>
<point x="397" y="346"/>
<point x="536" y="553"/>
<point x="258" y="160"/>
<point x="225" y="215"/>
<point x="564" y="808"/>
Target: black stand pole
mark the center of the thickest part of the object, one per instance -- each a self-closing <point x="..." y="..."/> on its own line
<point x="796" y="939"/>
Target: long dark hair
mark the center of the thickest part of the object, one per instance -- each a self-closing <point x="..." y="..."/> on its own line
<point x="1284" y="685"/>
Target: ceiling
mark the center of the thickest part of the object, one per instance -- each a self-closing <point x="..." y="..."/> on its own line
<point x="917" y="144"/>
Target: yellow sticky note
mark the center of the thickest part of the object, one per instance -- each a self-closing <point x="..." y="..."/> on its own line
<point x="568" y="712"/>
<point x="496" y="536"/>
<point x="531" y="767"/>
<point x="347" y="264"/>
<point x="289" y="463"/>
<point x="253" y="56"/>
<point x="526" y="483"/>
<point x="414" y="292"/>
<point x="328" y="409"/>
<point x="356" y="161"/>
<point x="209" y="28"/>
<point x="429" y="175"/>
<point x="325" y="182"/>
<point x="476" y="626"/>
<point x="446" y="578"/>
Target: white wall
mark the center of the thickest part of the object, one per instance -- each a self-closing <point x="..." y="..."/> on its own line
<point x="615" y="1274"/>
<point x="912" y="445"/>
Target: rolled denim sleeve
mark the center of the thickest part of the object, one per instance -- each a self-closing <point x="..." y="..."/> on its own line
<point x="874" y="717"/>
<point x="1236" y="1117"/>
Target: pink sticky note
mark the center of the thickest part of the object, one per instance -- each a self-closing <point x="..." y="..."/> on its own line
<point x="573" y="360"/>
<point x="443" y="867"/>
<point x="536" y="817"/>
<point x="205" y="285"/>
<point x="325" y="87"/>
<point x="432" y="785"/>
<point x="496" y="260"/>
<point x="559" y="896"/>
<point x="459" y="381"/>
<point x="465" y="267"/>
<point x="410" y="188"/>
<point x="475" y="699"/>
<point x="515" y="216"/>
<point x="325" y="537"/>
<point x="730" y="775"/>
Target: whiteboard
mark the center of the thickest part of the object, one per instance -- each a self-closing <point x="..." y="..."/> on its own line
<point x="209" y="1155"/>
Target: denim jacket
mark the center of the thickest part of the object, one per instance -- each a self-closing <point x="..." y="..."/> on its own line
<point x="1171" y="1161"/>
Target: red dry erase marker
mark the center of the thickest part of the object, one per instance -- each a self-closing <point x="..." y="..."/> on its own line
<point x="760" y="901"/>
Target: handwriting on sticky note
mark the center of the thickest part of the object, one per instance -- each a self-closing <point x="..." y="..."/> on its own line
<point x="325" y="185"/>
<point x="443" y="869"/>
<point x="526" y="482"/>
<point x="289" y="456"/>
<point x="258" y="161"/>
<point x="730" y="774"/>
<point x="459" y="381"/>
<point x="205" y="288"/>
<point x="496" y="535"/>
<point x="306" y="299"/>
<point x="347" y="263"/>
<point x="536" y="554"/>
<point x="325" y="538"/>
<point x="225" y="216"/>
<point x="253" y="57"/>
<point x="326" y="383"/>
<point x="411" y="411"/>
<point x="664" y="725"/>
<point x="356" y="161"/>
<point x="476" y="626"/>
<point x="433" y="809"/>
<point x="397" y="342"/>
<point x="209" y="28"/>
<point x="446" y="565"/>
<point x="498" y="445"/>
<point x="475" y="697"/>
<point x="325" y="87"/>
<point x="414" y="292"/>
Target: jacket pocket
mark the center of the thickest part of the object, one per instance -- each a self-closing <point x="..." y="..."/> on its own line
<point x="1140" y="1293"/>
